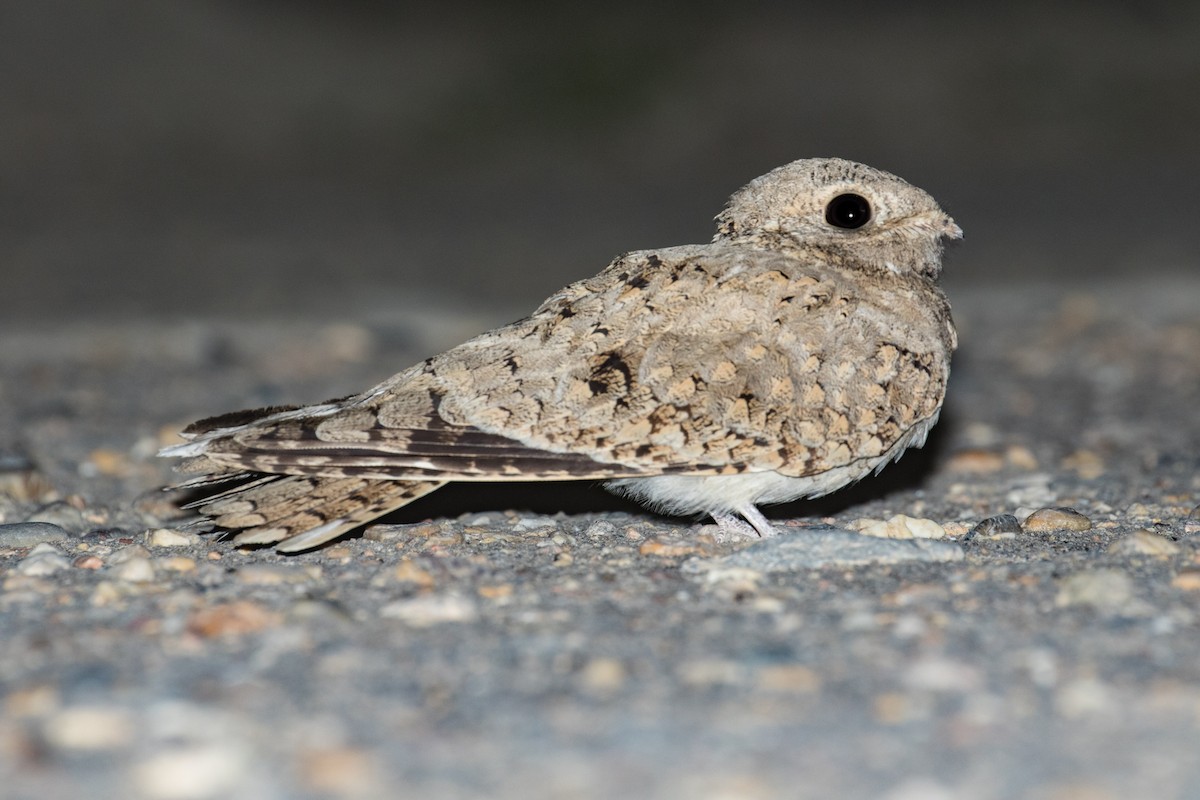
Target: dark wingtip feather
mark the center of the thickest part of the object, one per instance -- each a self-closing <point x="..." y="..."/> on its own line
<point x="233" y="419"/>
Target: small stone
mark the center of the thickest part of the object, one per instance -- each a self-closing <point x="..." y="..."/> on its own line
<point x="956" y="528"/>
<point x="1188" y="580"/>
<point x="816" y="547"/>
<point x="501" y="591"/>
<point x="601" y="529"/>
<point x="407" y="571"/>
<point x="133" y="570"/>
<point x="1020" y="457"/>
<point x="130" y="553"/>
<point x="89" y="728"/>
<point x="1001" y="526"/>
<point x="792" y="678"/>
<point x="1144" y="543"/>
<point x="112" y="463"/>
<point x="28" y="702"/>
<point x="192" y="772"/>
<point x="536" y="522"/>
<point x="661" y="549"/>
<point x="341" y="772"/>
<point x="1087" y="696"/>
<point x="941" y="674"/>
<point x="431" y="609"/>
<point x="1139" y="511"/>
<point x="21" y="480"/>
<point x="277" y="574"/>
<point x="709" y="672"/>
<point x="899" y="527"/>
<point x="602" y="675"/>
<point x="1046" y="520"/>
<point x="1086" y="463"/>
<point x="392" y="533"/>
<point x="62" y="514"/>
<point x="1102" y="589"/>
<point x="1032" y="490"/>
<point x="165" y="537"/>
<point x="28" y="534"/>
<point x="177" y="564"/>
<point x="232" y="619"/>
<point x="88" y="561"/>
<point x="976" y="461"/>
<point x="1191" y="525"/>
<point x="44" y="559"/>
<point x="108" y="593"/>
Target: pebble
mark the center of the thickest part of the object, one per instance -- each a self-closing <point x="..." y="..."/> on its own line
<point x="62" y="514"/>
<point x="232" y="619"/>
<point x="28" y="534"/>
<point x="603" y="675"/>
<point x="899" y="527"/>
<point x="1144" y="543"/>
<point x="1188" y="580"/>
<point x="813" y="548"/>
<point x="44" y="559"/>
<point x="1046" y="520"/>
<point x="788" y="678"/>
<point x="132" y="570"/>
<point x="21" y="480"/>
<point x="106" y="461"/>
<point x="1031" y="490"/>
<point x="1086" y="696"/>
<point x="1021" y="458"/>
<point x="668" y="549"/>
<point x="341" y="772"/>
<point x="1086" y="463"/>
<point x="89" y="728"/>
<point x="192" y="772"/>
<point x="1001" y="526"/>
<point x="133" y="552"/>
<point x="1191" y="525"/>
<point x="165" y="537"/>
<point x="601" y="529"/>
<point x="1102" y="589"/>
<point x="392" y="533"/>
<point x="277" y="574"/>
<point x="177" y="563"/>
<point x="407" y="571"/>
<point x="431" y="609"/>
<point x="976" y="461"/>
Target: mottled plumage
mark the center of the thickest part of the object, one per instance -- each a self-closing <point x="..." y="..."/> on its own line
<point x="806" y="346"/>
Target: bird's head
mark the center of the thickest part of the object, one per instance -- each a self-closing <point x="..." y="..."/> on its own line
<point x="855" y="213"/>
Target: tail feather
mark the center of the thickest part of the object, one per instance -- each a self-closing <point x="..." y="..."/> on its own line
<point x="300" y="512"/>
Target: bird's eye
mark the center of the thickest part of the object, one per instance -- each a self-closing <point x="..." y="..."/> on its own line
<point x="848" y="211"/>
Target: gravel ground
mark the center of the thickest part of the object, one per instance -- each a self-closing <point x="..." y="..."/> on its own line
<point x="551" y="641"/>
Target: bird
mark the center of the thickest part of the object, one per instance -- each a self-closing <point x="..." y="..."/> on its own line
<point x="807" y="345"/>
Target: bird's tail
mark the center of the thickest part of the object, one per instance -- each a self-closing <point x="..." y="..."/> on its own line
<point x="300" y="512"/>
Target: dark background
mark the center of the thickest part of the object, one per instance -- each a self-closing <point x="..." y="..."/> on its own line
<point x="326" y="160"/>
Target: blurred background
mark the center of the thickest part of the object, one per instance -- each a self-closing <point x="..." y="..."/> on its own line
<point x="325" y="160"/>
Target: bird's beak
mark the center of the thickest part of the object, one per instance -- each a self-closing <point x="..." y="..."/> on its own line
<point x="950" y="229"/>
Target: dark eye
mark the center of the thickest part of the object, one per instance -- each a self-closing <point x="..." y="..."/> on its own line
<point x="848" y="211"/>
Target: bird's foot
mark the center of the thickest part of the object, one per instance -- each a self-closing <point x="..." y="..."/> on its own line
<point x="751" y="525"/>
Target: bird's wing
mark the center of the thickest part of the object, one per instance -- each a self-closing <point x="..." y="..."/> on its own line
<point x="693" y="360"/>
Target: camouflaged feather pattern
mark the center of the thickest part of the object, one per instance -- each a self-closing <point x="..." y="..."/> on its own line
<point x="782" y="347"/>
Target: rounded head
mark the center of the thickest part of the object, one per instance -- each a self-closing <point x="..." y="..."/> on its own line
<point x="867" y="215"/>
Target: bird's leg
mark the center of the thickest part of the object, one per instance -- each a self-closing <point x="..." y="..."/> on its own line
<point x="758" y="521"/>
<point x="753" y="526"/>
<point x="732" y="528"/>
